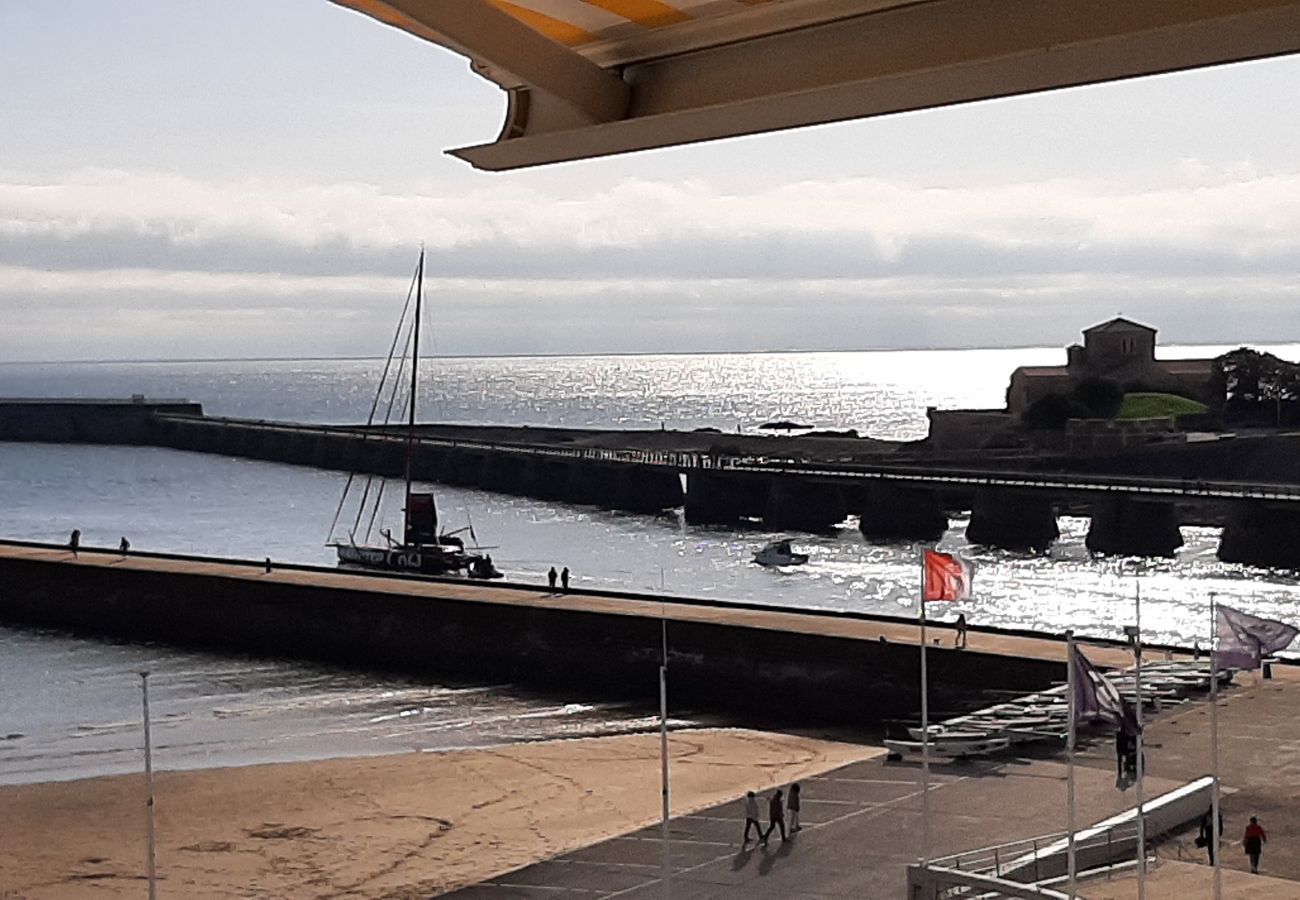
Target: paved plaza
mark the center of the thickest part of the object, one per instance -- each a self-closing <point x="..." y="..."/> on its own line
<point x="862" y="826"/>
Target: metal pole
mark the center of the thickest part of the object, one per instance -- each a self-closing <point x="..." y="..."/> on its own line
<point x="925" y="736"/>
<point x="663" y="754"/>
<point x="415" y="381"/>
<point x="1141" y="767"/>
<point x="148" y="783"/>
<point x="1215" y="838"/>
<point x="1070" y="675"/>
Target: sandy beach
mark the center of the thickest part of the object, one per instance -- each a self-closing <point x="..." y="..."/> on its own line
<point x="400" y="826"/>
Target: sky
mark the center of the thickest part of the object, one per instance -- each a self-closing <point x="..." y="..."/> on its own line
<point x="185" y="179"/>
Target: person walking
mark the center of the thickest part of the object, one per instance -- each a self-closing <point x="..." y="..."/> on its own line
<point x="551" y="576"/>
<point x="1254" y="841"/>
<point x="564" y="578"/>
<point x="793" y="803"/>
<point x="960" y="640"/>
<point x="125" y="546"/>
<point x="1121" y="753"/>
<point x="775" y="816"/>
<point x="1206" y="836"/>
<point x="74" y="541"/>
<point x="751" y="817"/>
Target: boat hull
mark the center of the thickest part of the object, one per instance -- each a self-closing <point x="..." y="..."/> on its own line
<point x="431" y="560"/>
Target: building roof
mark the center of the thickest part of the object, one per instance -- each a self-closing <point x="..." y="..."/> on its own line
<point x="1042" y="371"/>
<point x="1186" y="366"/>
<point x="593" y="77"/>
<point x="1119" y="323"/>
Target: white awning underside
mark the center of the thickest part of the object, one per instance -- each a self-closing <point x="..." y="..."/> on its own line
<point x="594" y="77"/>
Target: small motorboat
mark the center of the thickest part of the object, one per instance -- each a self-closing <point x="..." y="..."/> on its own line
<point x="952" y="745"/>
<point x="780" y="553"/>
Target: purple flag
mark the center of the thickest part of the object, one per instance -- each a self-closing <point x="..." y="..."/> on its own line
<point x="1096" y="699"/>
<point x="1244" y="640"/>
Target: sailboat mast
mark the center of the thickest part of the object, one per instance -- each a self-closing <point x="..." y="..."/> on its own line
<point x="415" y="371"/>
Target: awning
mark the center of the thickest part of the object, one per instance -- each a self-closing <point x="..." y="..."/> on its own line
<point x="595" y="77"/>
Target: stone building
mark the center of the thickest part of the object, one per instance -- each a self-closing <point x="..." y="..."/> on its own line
<point x="1121" y="351"/>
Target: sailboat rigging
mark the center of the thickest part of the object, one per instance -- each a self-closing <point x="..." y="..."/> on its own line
<point x="423" y="549"/>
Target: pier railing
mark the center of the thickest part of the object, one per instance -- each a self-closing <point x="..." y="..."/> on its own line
<point x="1153" y="487"/>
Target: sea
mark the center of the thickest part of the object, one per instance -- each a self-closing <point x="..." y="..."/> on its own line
<point x="71" y="707"/>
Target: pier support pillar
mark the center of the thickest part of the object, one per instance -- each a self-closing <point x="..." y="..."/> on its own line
<point x="720" y="498"/>
<point x="1012" y="521"/>
<point x="1259" y="535"/>
<point x="1124" y="527"/>
<point x="649" y="489"/>
<point x="793" y="505"/>
<point x="892" y="513"/>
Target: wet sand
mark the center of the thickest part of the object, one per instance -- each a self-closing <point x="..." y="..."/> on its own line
<point x="401" y="826"/>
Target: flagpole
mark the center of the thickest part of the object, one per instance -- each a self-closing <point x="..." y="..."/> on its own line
<point x="1215" y="838"/>
<point x="663" y="752"/>
<point x="1141" y="768"/>
<point x="1070" y="675"/>
<point x="925" y="734"/>
<point x="148" y="782"/>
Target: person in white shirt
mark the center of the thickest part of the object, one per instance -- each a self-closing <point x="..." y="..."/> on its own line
<point x="751" y="817"/>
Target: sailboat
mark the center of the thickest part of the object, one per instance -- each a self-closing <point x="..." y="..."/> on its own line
<point x="423" y="549"/>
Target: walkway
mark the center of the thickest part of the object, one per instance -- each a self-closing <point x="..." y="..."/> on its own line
<point x="862" y="825"/>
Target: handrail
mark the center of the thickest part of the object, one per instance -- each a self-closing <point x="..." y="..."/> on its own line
<point x="689" y="460"/>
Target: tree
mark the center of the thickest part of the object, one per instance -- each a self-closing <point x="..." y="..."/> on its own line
<point x="1102" y="397"/>
<point x="1256" y="385"/>
<point x="1051" y="412"/>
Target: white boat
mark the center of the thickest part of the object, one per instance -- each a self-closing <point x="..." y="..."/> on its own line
<point x="952" y="745"/>
<point x="780" y="553"/>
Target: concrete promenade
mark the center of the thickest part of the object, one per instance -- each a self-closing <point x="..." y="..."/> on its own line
<point x="861" y="828"/>
<point x="862" y="823"/>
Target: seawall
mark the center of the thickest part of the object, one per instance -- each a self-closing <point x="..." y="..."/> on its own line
<point x="87" y="421"/>
<point x="792" y="667"/>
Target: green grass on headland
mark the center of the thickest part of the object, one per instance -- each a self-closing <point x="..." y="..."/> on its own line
<point x="1154" y="406"/>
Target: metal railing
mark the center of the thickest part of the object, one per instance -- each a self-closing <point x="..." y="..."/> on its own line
<point x="1144" y="486"/>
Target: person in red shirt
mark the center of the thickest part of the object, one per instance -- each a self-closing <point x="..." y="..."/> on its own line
<point x="1254" y="842"/>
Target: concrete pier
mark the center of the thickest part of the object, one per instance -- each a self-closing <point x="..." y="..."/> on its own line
<point x="1123" y="527"/>
<point x="1013" y="521"/>
<point x="776" y="665"/>
<point x="1259" y="535"/>
<point x="899" y="513"/>
<point x="794" y="505"/>
<point x="808" y="483"/>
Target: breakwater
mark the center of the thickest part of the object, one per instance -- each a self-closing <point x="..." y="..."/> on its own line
<point x="729" y="660"/>
<point x="1136" y="502"/>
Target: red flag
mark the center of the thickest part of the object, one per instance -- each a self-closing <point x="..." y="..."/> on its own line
<point x="947" y="577"/>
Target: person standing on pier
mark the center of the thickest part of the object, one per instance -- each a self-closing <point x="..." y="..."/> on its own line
<point x="1254" y="841"/>
<point x="751" y="817"/>
<point x="125" y="546"/>
<point x="564" y="579"/>
<point x="960" y="640"/>
<point x="550" y="577"/>
<point x="74" y="542"/>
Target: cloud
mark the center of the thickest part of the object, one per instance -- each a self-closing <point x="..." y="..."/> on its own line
<point x="644" y="265"/>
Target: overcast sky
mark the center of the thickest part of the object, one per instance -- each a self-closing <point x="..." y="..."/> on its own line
<point x="250" y="178"/>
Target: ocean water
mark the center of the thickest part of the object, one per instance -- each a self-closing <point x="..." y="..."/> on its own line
<point x="70" y="707"/>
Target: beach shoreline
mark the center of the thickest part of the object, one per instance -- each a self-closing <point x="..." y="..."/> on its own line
<point x="393" y="826"/>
